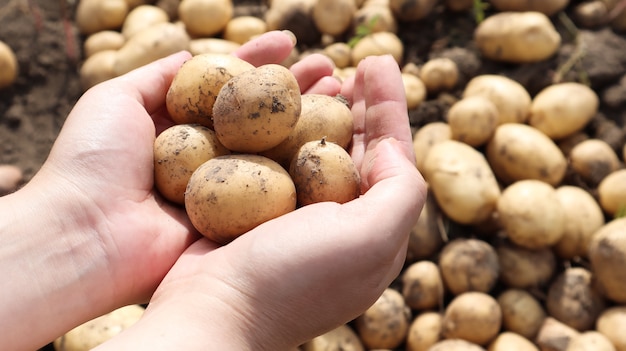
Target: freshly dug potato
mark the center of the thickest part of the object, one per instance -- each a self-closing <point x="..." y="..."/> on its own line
<point x="11" y="177"/>
<point x="385" y="324"/>
<point x="439" y="74"/>
<point x="324" y="171"/>
<point x="230" y="195"/>
<point x="590" y="340"/>
<point x="461" y="181"/>
<point x="455" y="345"/>
<point x="197" y="83"/>
<point x="95" y="15"/>
<point x="97" y="68"/>
<point x="554" y="335"/>
<point x="612" y="192"/>
<point x="205" y="18"/>
<point x="563" y="109"/>
<point x="426" y="137"/>
<point x="522" y="313"/>
<point x="593" y="160"/>
<point x="547" y="7"/>
<point x="339" y="52"/>
<point x="610" y="324"/>
<point x="472" y="316"/>
<point x="414" y="89"/>
<point x="257" y="109"/>
<point x="243" y="28"/>
<point x="573" y="300"/>
<point x="424" y="331"/>
<point x="342" y="338"/>
<point x="583" y="217"/>
<point x="98" y="330"/>
<point x="508" y="341"/>
<point x="201" y="46"/>
<point x="8" y="65"/>
<point x="473" y="120"/>
<point x="468" y="264"/>
<point x="333" y="17"/>
<point x="519" y="152"/>
<point x="411" y="10"/>
<point x="378" y="43"/>
<point x="150" y="44"/>
<point x="425" y="238"/>
<point x="517" y="37"/>
<point x="591" y="14"/>
<point x="321" y="116"/>
<point x="531" y="214"/>
<point x="141" y="17"/>
<point x="178" y="152"/>
<point x="103" y="40"/>
<point x="524" y="268"/>
<point x="422" y="286"/>
<point x="607" y="253"/>
<point x="511" y="99"/>
<point x="377" y="17"/>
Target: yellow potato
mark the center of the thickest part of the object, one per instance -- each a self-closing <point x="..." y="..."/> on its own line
<point x="376" y="17"/>
<point x="426" y="137"/>
<point x="201" y="46"/>
<point x="522" y="313"/>
<point x="8" y="65"/>
<point x="333" y="17"/>
<point x="593" y="160"/>
<point x="425" y="238"/>
<point x="472" y="316"/>
<point x="612" y="193"/>
<point x="507" y="341"/>
<point x="424" y="331"/>
<point x="141" y="17"/>
<point x="590" y="340"/>
<point x="342" y="338"/>
<point x="554" y="335"/>
<point x="414" y="89"/>
<point x="610" y="323"/>
<point x="422" y="285"/>
<point x="243" y="28"/>
<point x="607" y="253"/>
<point x="205" y="18"/>
<point x="97" y="68"/>
<point x="103" y="40"/>
<point x="468" y="264"/>
<point x="385" y="324"/>
<point x="511" y="99"/>
<point x="340" y="54"/>
<point x="439" y="74"/>
<point x="473" y="120"/>
<point x="95" y="15"/>
<point x="378" y="43"/>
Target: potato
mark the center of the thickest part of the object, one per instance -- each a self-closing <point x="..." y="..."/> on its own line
<point x="339" y="53"/>
<point x="178" y="152"/>
<point x="468" y="264"/>
<point x="378" y="43"/>
<point x="385" y="324"/>
<point x="507" y="341"/>
<point x="593" y="160"/>
<point x="194" y="89"/>
<point x="414" y="89"/>
<point x="11" y="177"/>
<point x="439" y="74"/>
<point x="461" y="181"/>
<point x="141" y="17"/>
<point x="8" y="66"/>
<point x="410" y="10"/>
<point x="103" y="40"/>
<point x="455" y="345"/>
<point x="205" y="18"/>
<point x="517" y="37"/>
<point x="568" y="143"/>
<point x="422" y="286"/>
<point x="511" y="99"/>
<point x="324" y="171"/>
<point x="548" y="7"/>
<point x="607" y="254"/>
<point x="531" y="214"/>
<point x="257" y="109"/>
<point x="590" y="340"/>
<point x="243" y="28"/>
<point x="554" y="335"/>
<point x="98" y="330"/>
<point x="612" y="193"/>
<point x="573" y="300"/>
<point x="342" y="338"/>
<point x="150" y="44"/>
<point x="232" y="194"/>
<point x="519" y="152"/>
<point x="424" y="331"/>
<point x="472" y="316"/>
<point x="375" y="17"/>
<point x="333" y="17"/>
<point x="522" y="313"/>
<point x="95" y="15"/>
<point x="97" y="68"/>
<point x="524" y="268"/>
<point x="473" y="120"/>
<point x="295" y="16"/>
<point x="425" y="238"/>
<point x="321" y="116"/>
<point x="610" y="324"/>
<point x="201" y="46"/>
<point x="591" y="14"/>
<point x="583" y="217"/>
<point x="426" y="137"/>
<point x="563" y="109"/>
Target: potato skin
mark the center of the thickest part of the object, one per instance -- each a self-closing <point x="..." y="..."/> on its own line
<point x="468" y="264"/>
<point x="593" y="160"/>
<point x="607" y="253"/>
<point x="472" y="316"/>
<point x="342" y="338"/>
<point x="424" y="331"/>
<point x="506" y="341"/>
<point x="511" y="98"/>
<point x="612" y="192"/>
<point x="525" y="268"/>
<point x="231" y="194"/>
<point x="8" y="65"/>
<point x="426" y="137"/>
<point x="473" y="120"/>
<point x="422" y="286"/>
<point x="522" y="313"/>
<point x="455" y="345"/>
<point x="385" y="324"/>
<point x="590" y="340"/>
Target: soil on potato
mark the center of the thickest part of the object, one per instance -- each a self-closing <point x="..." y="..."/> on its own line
<point x="48" y="47"/>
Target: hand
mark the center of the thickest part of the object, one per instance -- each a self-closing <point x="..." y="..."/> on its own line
<point x="88" y="233"/>
<point x="306" y="272"/>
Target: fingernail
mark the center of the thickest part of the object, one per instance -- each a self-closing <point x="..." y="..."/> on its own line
<point x="294" y="40"/>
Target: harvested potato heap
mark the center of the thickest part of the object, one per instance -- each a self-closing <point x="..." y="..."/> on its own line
<point x="248" y="147"/>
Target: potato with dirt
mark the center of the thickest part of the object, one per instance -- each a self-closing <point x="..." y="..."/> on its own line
<point x="522" y="313"/>
<point x="378" y="43"/>
<point x="511" y="98"/>
<point x="422" y="286"/>
<point x="593" y="159"/>
<point x="241" y="29"/>
<point x="425" y="238"/>
<point x="472" y="316"/>
<point x="555" y="335"/>
<point x="424" y="331"/>
<point x="607" y="254"/>
<point x="468" y="264"/>
<point x="8" y="65"/>
<point x="385" y="324"/>
<point x="342" y="338"/>
<point x="525" y="268"/>
<point x="439" y="74"/>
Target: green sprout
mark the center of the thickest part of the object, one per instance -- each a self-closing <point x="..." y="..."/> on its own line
<point x="479" y="10"/>
<point x="621" y="211"/>
<point x="363" y="30"/>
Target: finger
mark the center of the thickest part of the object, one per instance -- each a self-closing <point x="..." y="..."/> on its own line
<point x="311" y="69"/>
<point x="326" y="86"/>
<point x="271" y="47"/>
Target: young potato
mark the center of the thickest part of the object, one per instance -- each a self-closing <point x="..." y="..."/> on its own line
<point x="593" y="160"/>
<point x="339" y="52"/>
<point x="607" y="254"/>
<point x="422" y="286"/>
<point x="11" y="177"/>
<point x="583" y="218"/>
<point x="414" y="89"/>
<point x="472" y="316"/>
<point x="178" y="152"/>
<point x="426" y="137"/>
<point x="231" y="194"/>
<point x="425" y="238"/>
<point x="324" y="171"/>
<point x="473" y="120"/>
<point x="524" y="268"/>
<point x="333" y="17"/>
<point x="93" y="16"/>
<point x="385" y="324"/>
<point x="205" y="18"/>
<point x="563" y="109"/>
<point x="547" y="7"/>
<point x="243" y="28"/>
<point x="455" y="345"/>
<point x="517" y="37"/>
<point x="97" y="68"/>
<point x="554" y="335"/>
<point x="522" y="313"/>
<point x="103" y="40"/>
<point x="468" y="264"/>
<point x="98" y="330"/>
<point x="461" y="181"/>
<point x="342" y="338"/>
<point x="257" y="109"/>
<point x="378" y="43"/>
<point x="141" y="17"/>
<point x="194" y="89"/>
<point x="150" y="44"/>
<point x="573" y="300"/>
<point x="531" y="214"/>
<point x="201" y="46"/>
<point x="8" y="65"/>
<point x="411" y="10"/>
<point x="507" y="341"/>
<point x="612" y="192"/>
<point x="376" y="17"/>
<point x="519" y="152"/>
<point x="512" y="100"/>
<point x="610" y="324"/>
<point x="321" y="116"/>
<point x="439" y="74"/>
<point x="424" y="331"/>
<point x="590" y="340"/>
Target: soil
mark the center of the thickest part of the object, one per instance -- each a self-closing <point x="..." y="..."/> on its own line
<point x="48" y="47"/>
